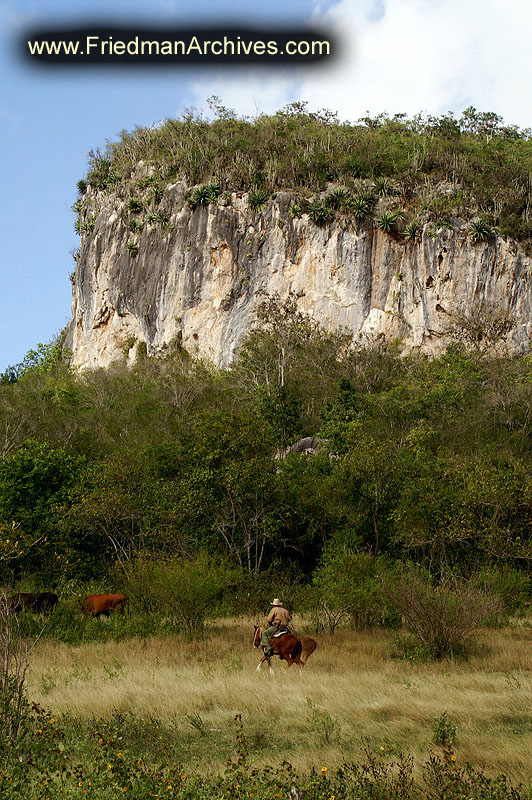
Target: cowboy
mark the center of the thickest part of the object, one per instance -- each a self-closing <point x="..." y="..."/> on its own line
<point x="278" y="619"/>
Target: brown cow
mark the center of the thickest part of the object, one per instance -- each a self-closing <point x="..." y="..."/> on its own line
<point x="97" y="604"/>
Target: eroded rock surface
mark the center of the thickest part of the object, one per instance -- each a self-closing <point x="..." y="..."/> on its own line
<point x="199" y="278"/>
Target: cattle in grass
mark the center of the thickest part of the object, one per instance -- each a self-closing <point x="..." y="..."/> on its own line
<point x="98" y="604"/>
<point x="39" y="602"/>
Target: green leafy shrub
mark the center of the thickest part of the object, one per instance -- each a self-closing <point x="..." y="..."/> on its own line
<point x="135" y="205"/>
<point x="258" y="199"/>
<point x="160" y="218"/>
<point x="512" y="585"/>
<point x="481" y="231"/>
<point x="338" y="199"/>
<point x="319" y="213"/>
<point x="199" y="197"/>
<point x="213" y="190"/>
<point x="187" y="590"/>
<point x="386" y="221"/>
<point x="135" y="226"/>
<point x="102" y="175"/>
<point x="361" y="204"/>
<point x="412" y="232"/>
<point x="348" y="586"/>
<point x="384" y="187"/>
<point x="295" y="211"/>
<point x="444" y="731"/>
<point x="204" y="195"/>
<point x="85" y="225"/>
<point x="132" y="248"/>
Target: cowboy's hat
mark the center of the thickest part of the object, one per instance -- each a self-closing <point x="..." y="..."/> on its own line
<point x="276" y="602"/>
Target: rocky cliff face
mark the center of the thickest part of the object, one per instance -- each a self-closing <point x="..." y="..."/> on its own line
<point x="199" y="277"/>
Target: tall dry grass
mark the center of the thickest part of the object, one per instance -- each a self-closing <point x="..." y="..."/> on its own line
<point x="356" y="693"/>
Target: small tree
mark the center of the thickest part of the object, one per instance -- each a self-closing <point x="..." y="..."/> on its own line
<point x="349" y="588"/>
<point x="442" y="617"/>
<point x="15" y="652"/>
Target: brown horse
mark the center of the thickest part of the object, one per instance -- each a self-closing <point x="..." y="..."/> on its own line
<point x="288" y="647"/>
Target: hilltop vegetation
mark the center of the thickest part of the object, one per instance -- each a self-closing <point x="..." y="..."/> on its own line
<point x="431" y="169"/>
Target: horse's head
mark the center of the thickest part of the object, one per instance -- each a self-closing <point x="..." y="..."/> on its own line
<point x="257" y="636"/>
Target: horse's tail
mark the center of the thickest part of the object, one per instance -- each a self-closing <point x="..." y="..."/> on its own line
<point x="308" y="647"/>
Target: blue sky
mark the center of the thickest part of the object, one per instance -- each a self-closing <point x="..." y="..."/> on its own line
<point x="399" y="55"/>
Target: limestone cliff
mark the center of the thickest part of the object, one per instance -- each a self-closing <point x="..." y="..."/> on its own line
<point x="197" y="276"/>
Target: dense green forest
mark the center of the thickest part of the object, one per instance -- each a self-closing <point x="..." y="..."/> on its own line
<point x="429" y="169"/>
<point x="421" y="460"/>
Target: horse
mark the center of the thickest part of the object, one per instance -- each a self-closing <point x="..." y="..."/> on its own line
<point x="288" y="647"/>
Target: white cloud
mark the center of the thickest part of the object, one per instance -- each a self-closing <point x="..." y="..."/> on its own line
<point x="259" y="91"/>
<point x="405" y="56"/>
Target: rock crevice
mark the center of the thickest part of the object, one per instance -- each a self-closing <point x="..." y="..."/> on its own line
<point x="199" y="277"/>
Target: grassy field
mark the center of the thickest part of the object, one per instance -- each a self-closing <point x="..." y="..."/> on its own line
<point x="358" y="693"/>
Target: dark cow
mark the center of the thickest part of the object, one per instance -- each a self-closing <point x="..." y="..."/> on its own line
<point x="44" y="602"/>
<point x="97" y="604"/>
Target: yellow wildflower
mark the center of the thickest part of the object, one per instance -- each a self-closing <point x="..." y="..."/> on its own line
<point x="109" y="766"/>
<point x="80" y="783"/>
<point x="453" y="757"/>
<point x="119" y="755"/>
<point x="100" y="741"/>
<point x="52" y="720"/>
<point x="324" y="772"/>
<point x="183" y="777"/>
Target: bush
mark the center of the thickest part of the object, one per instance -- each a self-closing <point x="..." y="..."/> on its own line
<point x="386" y="221"/>
<point x="204" y="195"/>
<point x="252" y="593"/>
<point x="258" y="199"/>
<point x="338" y="199"/>
<point x="511" y="585"/>
<point x="480" y="230"/>
<point x="361" y="205"/>
<point x="14" y="657"/>
<point x="319" y="213"/>
<point x="348" y="587"/>
<point x="135" y="204"/>
<point x="135" y="226"/>
<point x="187" y="590"/>
<point x="412" y="231"/>
<point x="444" y="731"/>
<point x="441" y="617"/>
<point x="295" y="211"/>
<point x="384" y="187"/>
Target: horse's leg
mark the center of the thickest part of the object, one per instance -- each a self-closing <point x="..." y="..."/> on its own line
<point x="261" y="662"/>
